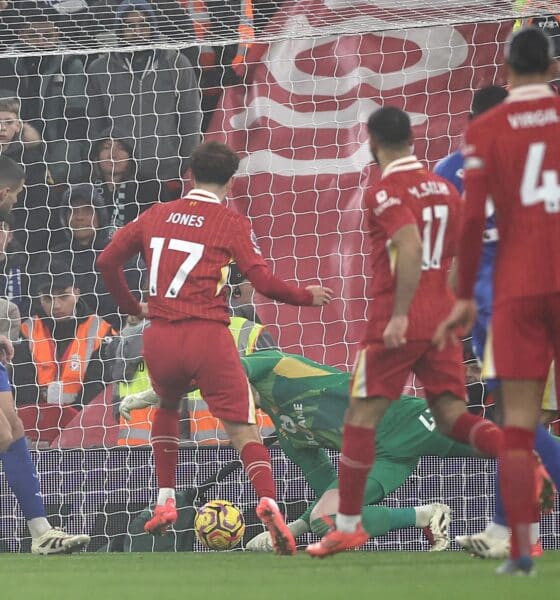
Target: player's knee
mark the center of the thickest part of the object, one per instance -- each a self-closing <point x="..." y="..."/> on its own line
<point x="6" y="438"/>
<point x="446" y="409"/>
<point x="241" y="434"/>
<point x="18" y="430"/>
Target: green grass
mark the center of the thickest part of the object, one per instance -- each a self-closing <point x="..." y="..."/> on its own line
<point x="245" y="576"/>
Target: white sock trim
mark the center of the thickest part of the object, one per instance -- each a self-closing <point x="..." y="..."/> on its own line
<point x="38" y="526"/>
<point x="534" y="533"/>
<point x="164" y="494"/>
<point x="347" y="523"/>
<point x="423" y="515"/>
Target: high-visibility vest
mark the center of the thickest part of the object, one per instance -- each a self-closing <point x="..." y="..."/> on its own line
<point x="536" y="4"/>
<point x="203" y="32"/>
<point x="71" y="368"/>
<point x="205" y="428"/>
<point x="136" y="432"/>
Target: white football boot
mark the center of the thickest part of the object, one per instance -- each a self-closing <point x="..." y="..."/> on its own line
<point x="437" y="530"/>
<point x="485" y="545"/>
<point x="56" y="541"/>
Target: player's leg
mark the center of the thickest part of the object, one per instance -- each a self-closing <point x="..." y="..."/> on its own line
<point x="521" y="353"/>
<point x="547" y="445"/>
<point x="494" y="541"/>
<point x="225" y="388"/>
<point x="379" y="377"/>
<point x="246" y="440"/>
<point x="386" y="476"/>
<point x="442" y="373"/>
<point x="23" y="480"/>
<point x="167" y="349"/>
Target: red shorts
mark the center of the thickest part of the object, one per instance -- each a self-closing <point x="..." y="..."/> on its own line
<point x="176" y="353"/>
<point x="526" y="336"/>
<point x="379" y="372"/>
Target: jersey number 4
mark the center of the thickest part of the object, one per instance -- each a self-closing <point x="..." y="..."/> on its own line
<point x="431" y="257"/>
<point x="194" y="254"/>
<point x="531" y="191"/>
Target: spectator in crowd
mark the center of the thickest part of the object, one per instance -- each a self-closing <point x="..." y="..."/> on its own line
<point x="114" y="172"/>
<point x="51" y="91"/>
<point x="149" y="95"/>
<point x="7" y="20"/>
<point x="264" y="11"/>
<point x="241" y="304"/>
<point x="34" y="213"/>
<point x="61" y="359"/>
<point x="14" y="280"/>
<point x="83" y="23"/>
<point x="221" y="65"/>
<point x="86" y="222"/>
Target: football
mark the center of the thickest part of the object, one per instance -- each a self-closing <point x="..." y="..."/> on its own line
<point x="219" y="525"/>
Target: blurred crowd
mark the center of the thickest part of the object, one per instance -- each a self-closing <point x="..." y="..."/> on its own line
<point x="101" y="103"/>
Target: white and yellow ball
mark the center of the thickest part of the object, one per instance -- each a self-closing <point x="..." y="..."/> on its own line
<point x="219" y="525"/>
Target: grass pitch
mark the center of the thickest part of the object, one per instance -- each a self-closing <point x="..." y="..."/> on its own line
<point x="245" y="576"/>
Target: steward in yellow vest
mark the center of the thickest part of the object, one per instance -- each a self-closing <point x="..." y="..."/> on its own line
<point x="248" y="337"/>
<point x="220" y="65"/>
<point x="61" y="358"/>
<point x="546" y="20"/>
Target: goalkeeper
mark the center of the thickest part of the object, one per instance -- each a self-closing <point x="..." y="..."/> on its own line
<point x="306" y="402"/>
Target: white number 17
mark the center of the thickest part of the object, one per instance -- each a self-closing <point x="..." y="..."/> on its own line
<point x="194" y="252"/>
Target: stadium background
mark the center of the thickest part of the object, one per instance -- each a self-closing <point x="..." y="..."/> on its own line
<point x="297" y="117"/>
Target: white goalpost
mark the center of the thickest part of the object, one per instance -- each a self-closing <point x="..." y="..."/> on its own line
<point x="103" y="125"/>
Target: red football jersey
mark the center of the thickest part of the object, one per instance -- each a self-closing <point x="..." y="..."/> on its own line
<point x="410" y="194"/>
<point x="512" y="154"/>
<point x="187" y="245"/>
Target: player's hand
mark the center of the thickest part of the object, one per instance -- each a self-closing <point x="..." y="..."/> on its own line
<point x="321" y="295"/>
<point x="394" y="335"/>
<point x="6" y="350"/>
<point x="461" y="317"/>
<point x="136" y="401"/>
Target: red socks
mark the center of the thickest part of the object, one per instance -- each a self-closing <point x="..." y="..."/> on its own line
<point x="481" y="434"/>
<point x="165" y="446"/>
<point x="256" y="462"/>
<point x="356" y="459"/>
<point x="517" y="468"/>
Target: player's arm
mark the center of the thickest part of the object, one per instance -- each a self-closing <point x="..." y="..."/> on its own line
<point x="126" y="243"/>
<point x="315" y="464"/>
<point x="473" y="219"/>
<point x="401" y="229"/>
<point x="408" y="267"/>
<point x="472" y="227"/>
<point x="251" y="263"/>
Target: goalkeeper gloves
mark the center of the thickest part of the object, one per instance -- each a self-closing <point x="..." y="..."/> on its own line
<point x="136" y="401"/>
<point x="263" y="541"/>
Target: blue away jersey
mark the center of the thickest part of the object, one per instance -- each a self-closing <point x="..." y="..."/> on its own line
<point x="4" y="380"/>
<point x="451" y="167"/>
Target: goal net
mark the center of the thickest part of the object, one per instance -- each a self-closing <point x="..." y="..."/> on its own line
<point x="103" y="113"/>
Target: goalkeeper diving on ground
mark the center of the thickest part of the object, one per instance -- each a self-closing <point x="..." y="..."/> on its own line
<point x="306" y="402"/>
